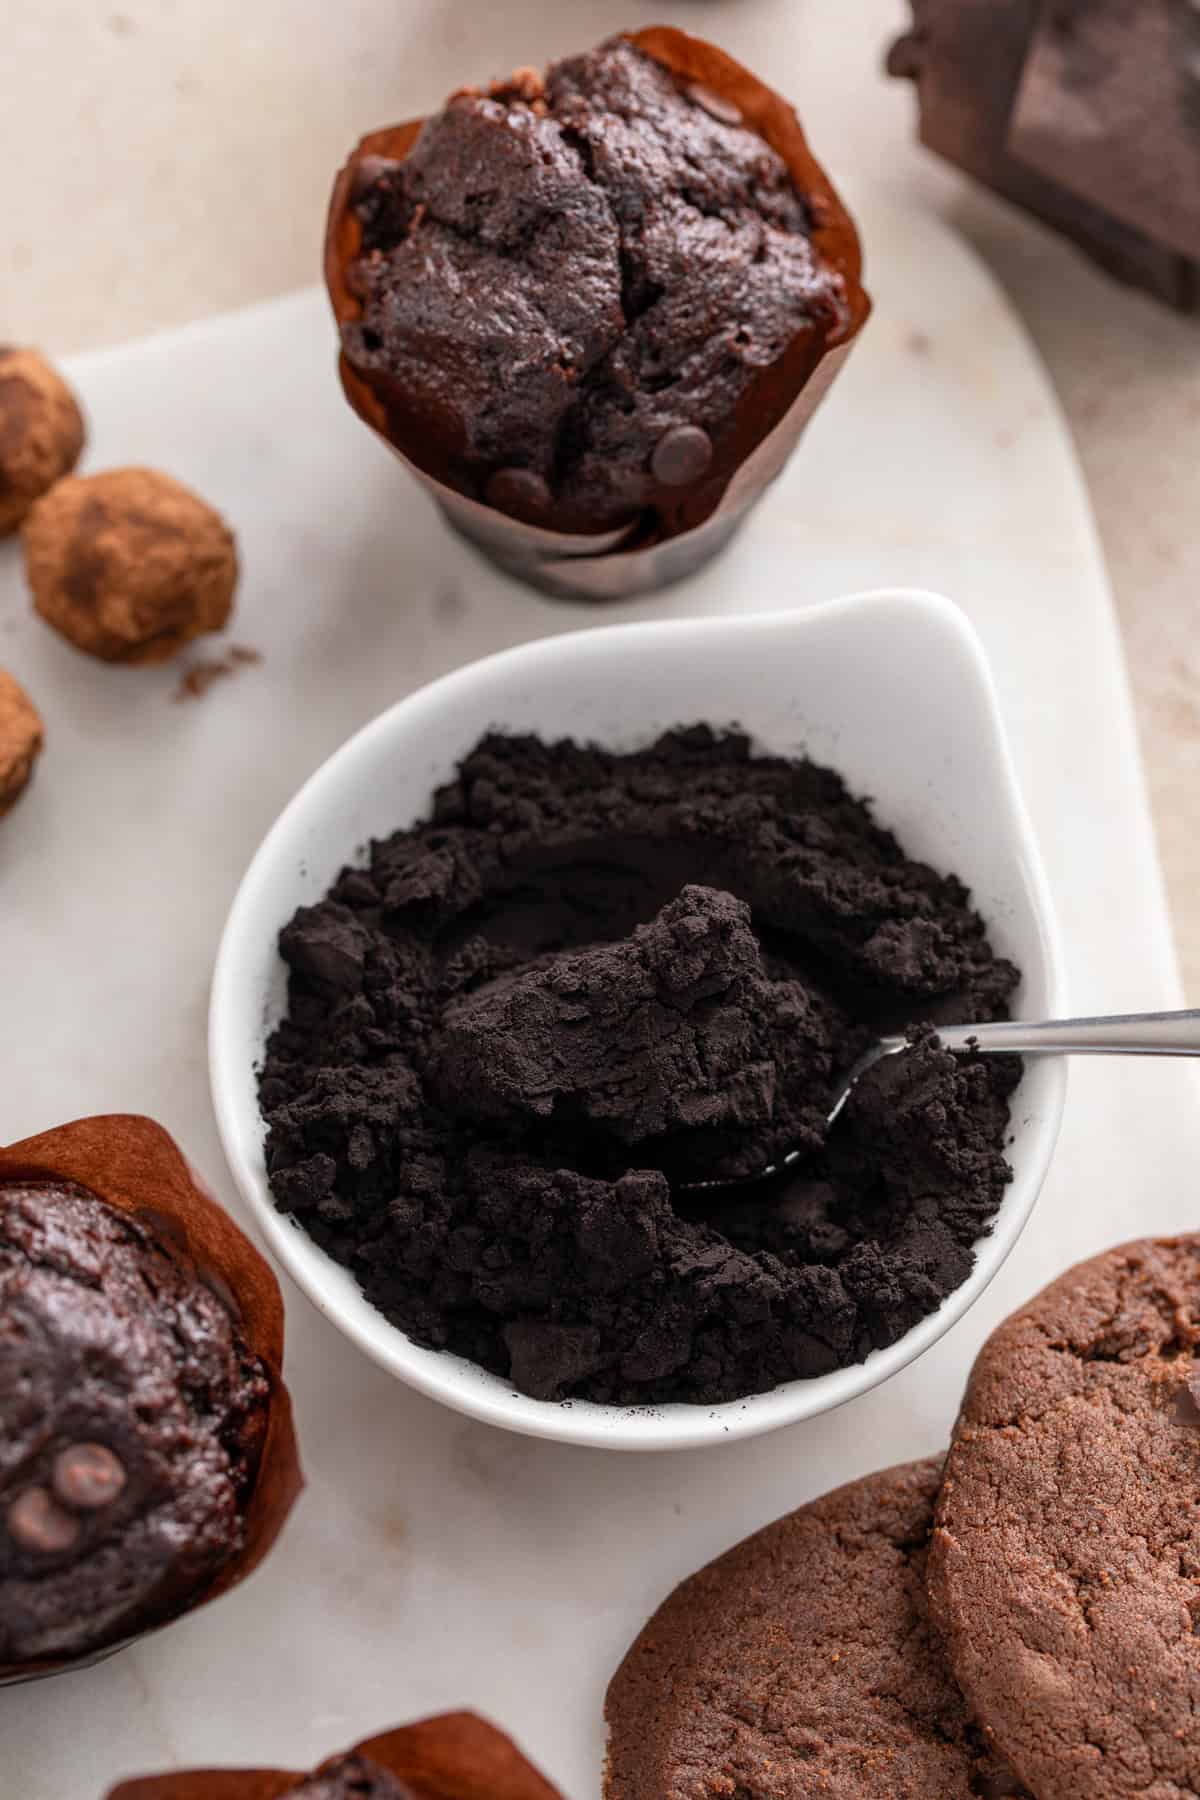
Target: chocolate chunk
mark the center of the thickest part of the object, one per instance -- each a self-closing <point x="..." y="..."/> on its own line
<point x="521" y="492"/>
<point x="37" y="1522"/>
<point x="668" y="1030"/>
<point x="681" y="455"/>
<point x="88" y="1476"/>
<point x="1081" y="113"/>
<point x="714" y="104"/>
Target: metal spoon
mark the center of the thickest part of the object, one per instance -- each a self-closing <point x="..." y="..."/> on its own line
<point x="1122" y="1034"/>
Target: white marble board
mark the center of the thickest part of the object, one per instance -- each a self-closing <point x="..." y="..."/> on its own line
<point x="434" y="1562"/>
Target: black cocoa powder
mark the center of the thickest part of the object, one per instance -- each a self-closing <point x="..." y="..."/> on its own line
<point x="518" y="1032"/>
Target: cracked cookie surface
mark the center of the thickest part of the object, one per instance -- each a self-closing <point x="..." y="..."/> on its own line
<point x="803" y="1662"/>
<point x="1065" y="1568"/>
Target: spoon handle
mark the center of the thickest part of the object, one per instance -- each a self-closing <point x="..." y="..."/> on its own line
<point x="1124" y="1034"/>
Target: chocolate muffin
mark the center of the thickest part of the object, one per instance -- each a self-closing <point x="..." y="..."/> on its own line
<point x="132" y="1419"/>
<point x="583" y="297"/>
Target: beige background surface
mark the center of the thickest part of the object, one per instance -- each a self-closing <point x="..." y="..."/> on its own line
<point x="164" y="159"/>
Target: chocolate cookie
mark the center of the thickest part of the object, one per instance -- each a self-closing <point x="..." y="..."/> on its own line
<point x="1065" y="1569"/>
<point x="131" y="1419"/>
<point x="802" y="1662"/>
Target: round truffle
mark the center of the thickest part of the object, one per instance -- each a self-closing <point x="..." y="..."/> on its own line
<point x="599" y="278"/>
<point x="20" y="740"/>
<point x="129" y="565"/>
<point x="41" y="432"/>
<point x="131" y="1421"/>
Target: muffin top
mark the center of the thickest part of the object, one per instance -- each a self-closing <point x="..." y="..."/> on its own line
<point x="571" y="282"/>
<point x="131" y="1419"/>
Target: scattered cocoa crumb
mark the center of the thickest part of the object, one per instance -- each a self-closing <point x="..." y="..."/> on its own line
<point x="196" y="681"/>
<point x="129" y="565"/>
<point x="41" y="432"/>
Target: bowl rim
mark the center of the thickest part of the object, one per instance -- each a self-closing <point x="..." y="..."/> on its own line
<point x="439" y="1374"/>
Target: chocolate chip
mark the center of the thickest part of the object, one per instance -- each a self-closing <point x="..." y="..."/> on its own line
<point x="714" y="104"/>
<point x="36" y="1521"/>
<point x="367" y="172"/>
<point x="681" y="455"/>
<point x="519" y="491"/>
<point x="88" y="1476"/>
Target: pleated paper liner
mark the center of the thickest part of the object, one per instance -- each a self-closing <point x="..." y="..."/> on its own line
<point x="133" y="1164"/>
<point x="669" y="541"/>
<point x="455" y="1756"/>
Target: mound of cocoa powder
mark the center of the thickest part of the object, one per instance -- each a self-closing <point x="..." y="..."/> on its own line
<point x="589" y="978"/>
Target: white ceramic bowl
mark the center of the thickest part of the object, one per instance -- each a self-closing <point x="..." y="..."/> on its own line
<point x="890" y="688"/>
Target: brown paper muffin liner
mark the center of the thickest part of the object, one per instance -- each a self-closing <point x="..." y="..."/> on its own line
<point x="133" y="1164"/>
<point x="771" y="415"/>
<point x="455" y="1756"/>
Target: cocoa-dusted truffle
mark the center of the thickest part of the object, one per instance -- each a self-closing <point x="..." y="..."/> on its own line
<point x="131" y="1423"/>
<point x="20" y="740"/>
<point x="41" y="432"/>
<point x="675" y="1029"/>
<point x="129" y="565"/>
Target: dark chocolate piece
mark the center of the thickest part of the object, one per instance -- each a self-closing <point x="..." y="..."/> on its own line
<point x="667" y="1030"/>
<point x="1086" y="112"/>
